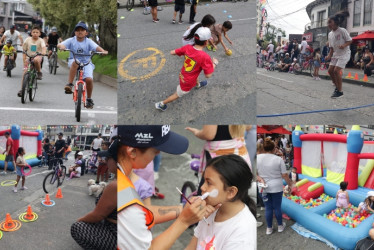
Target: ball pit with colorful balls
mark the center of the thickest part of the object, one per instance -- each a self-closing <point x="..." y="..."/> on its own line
<point x="347" y="217"/>
<point x="309" y="203"/>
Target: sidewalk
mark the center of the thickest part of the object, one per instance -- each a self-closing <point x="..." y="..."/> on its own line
<point x="360" y="73"/>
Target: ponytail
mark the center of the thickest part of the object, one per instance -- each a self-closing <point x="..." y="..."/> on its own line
<point x="207" y="21"/>
<point x="339" y="17"/>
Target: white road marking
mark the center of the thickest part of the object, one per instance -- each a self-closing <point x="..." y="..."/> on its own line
<point x="43" y="172"/>
<point x="249" y="18"/>
<point x="274" y="77"/>
<point x="58" y="110"/>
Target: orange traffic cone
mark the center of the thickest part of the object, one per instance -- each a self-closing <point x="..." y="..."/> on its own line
<point x="365" y="79"/>
<point x="47" y="200"/>
<point x="349" y="76"/>
<point x="9" y="223"/>
<point x="356" y="77"/>
<point x="29" y="214"/>
<point x="59" y="194"/>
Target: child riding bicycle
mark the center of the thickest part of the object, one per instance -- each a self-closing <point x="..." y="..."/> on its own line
<point x="80" y="44"/>
<point x="33" y="45"/>
<point x="8" y="51"/>
<point x="53" y="40"/>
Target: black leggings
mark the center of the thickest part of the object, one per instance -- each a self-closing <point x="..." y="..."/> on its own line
<point x="102" y="235"/>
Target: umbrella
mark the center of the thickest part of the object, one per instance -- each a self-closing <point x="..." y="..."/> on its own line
<point x="280" y="130"/>
<point x="367" y="35"/>
<point x="261" y="130"/>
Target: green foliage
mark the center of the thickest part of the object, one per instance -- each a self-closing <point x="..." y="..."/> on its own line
<point x="66" y="14"/>
<point x="106" y="65"/>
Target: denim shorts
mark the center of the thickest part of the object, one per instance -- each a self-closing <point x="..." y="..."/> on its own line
<point x="317" y="64"/>
<point x="19" y="173"/>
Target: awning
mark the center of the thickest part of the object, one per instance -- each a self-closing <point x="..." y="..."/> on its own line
<point x="367" y="35"/>
<point x="280" y="130"/>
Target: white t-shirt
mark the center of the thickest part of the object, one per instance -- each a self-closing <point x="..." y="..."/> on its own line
<point x="13" y="37"/>
<point x="79" y="170"/>
<point x="132" y="231"/>
<point x="97" y="143"/>
<point x="271" y="47"/>
<point x="192" y="40"/>
<point x="339" y="37"/>
<point x="284" y="142"/>
<point x="270" y="168"/>
<point x="238" y="232"/>
<point x="304" y="45"/>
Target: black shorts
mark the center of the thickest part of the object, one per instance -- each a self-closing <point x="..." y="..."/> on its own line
<point x="180" y="8"/>
<point x="152" y="3"/>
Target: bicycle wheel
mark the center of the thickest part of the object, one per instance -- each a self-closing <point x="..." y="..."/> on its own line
<point x="9" y="67"/>
<point x="32" y="89"/>
<point x="50" y="183"/>
<point x="78" y="103"/>
<point x="129" y="4"/>
<point x="50" y="64"/>
<point x="312" y="67"/>
<point x="55" y="64"/>
<point x="62" y="175"/>
<point x="25" y="85"/>
<point x="187" y="189"/>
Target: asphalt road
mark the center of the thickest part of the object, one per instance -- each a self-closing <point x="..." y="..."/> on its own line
<point x="51" y="104"/>
<point x="52" y="229"/>
<point x="284" y="93"/>
<point x="173" y="172"/>
<point x="145" y="79"/>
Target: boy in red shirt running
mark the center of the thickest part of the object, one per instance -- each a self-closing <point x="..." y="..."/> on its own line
<point x="195" y="60"/>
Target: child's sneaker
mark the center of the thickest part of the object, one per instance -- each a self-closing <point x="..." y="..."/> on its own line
<point x="173" y="21"/>
<point x="269" y="231"/>
<point x="202" y="84"/>
<point x="15" y="190"/>
<point x="180" y="22"/>
<point x="161" y="106"/>
<point x="24" y="188"/>
<point x="337" y="94"/>
<point x="318" y="79"/>
<point x="281" y="228"/>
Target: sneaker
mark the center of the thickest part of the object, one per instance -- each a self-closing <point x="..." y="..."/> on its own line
<point x="262" y="208"/>
<point x="337" y="94"/>
<point x="180" y="22"/>
<point x="258" y="215"/>
<point x="202" y="84"/>
<point x="269" y="230"/>
<point x="156" y="21"/>
<point x="4" y="68"/>
<point x="89" y="103"/>
<point x="14" y="172"/>
<point x="15" y="190"/>
<point x="281" y="228"/>
<point x="24" y="188"/>
<point x="161" y="106"/>
<point x="39" y="76"/>
<point x="318" y="79"/>
<point x="259" y="223"/>
<point x="173" y="21"/>
<point x="3" y="173"/>
<point x="69" y="88"/>
<point x="158" y="195"/>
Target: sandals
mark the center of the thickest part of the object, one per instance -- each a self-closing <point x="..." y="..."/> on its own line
<point x="211" y="48"/>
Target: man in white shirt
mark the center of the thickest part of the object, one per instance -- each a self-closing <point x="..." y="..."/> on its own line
<point x="96" y="143"/>
<point x="270" y="47"/>
<point x="13" y="35"/>
<point x="284" y="141"/>
<point x="304" y="45"/>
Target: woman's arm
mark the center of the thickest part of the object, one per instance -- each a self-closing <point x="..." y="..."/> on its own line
<point x="208" y="132"/>
<point x="193" y="244"/>
<point x="165" y="213"/>
<point x="106" y="205"/>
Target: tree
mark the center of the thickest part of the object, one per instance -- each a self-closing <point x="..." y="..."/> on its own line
<point x="96" y="13"/>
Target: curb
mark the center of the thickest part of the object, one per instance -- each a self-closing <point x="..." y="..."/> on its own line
<point x="351" y="81"/>
<point x="110" y="81"/>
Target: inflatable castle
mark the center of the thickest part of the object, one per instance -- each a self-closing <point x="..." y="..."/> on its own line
<point x="323" y="161"/>
<point x="31" y="141"/>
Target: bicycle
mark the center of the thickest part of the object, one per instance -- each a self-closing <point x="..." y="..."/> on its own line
<point x="130" y="4"/>
<point x="79" y="93"/>
<point x="189" y="189"/>
<point x="29" y="83"/>
<point x="10" y="63"/>
<point x="305" y="65"/>
<point x="58" y="174"/>
<point x="53" y="61"/>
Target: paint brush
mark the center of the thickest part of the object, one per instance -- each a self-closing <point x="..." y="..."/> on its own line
<point x="190" y="202"/>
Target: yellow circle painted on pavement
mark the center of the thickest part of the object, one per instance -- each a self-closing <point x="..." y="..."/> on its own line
<point x="142" y="64"/>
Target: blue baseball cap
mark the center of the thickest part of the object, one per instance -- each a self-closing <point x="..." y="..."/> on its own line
<point x="153" y="136"/>
<point x="82" y="25"/>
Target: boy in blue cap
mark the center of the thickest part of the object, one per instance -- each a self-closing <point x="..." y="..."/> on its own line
<point x="80" y="44"/>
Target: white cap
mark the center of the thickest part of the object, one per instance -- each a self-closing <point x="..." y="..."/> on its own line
<point x="203" y="34"/>
<point x="80" y="153"/>
<point x="370" y="193"/>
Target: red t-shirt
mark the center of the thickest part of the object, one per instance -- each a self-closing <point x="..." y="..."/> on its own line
<point x="9" y="141"/>
<point x="194" y="62"/>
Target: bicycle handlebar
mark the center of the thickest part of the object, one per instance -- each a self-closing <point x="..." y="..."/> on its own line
<point x="90" y="55"/>
<point x="32" y="56"/>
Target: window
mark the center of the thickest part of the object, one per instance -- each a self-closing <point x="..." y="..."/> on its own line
<point x="312" y="21"/>
<point x="321" y="22"/>
<point x="357" y="14"/>
<point x="368" y="8"/>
